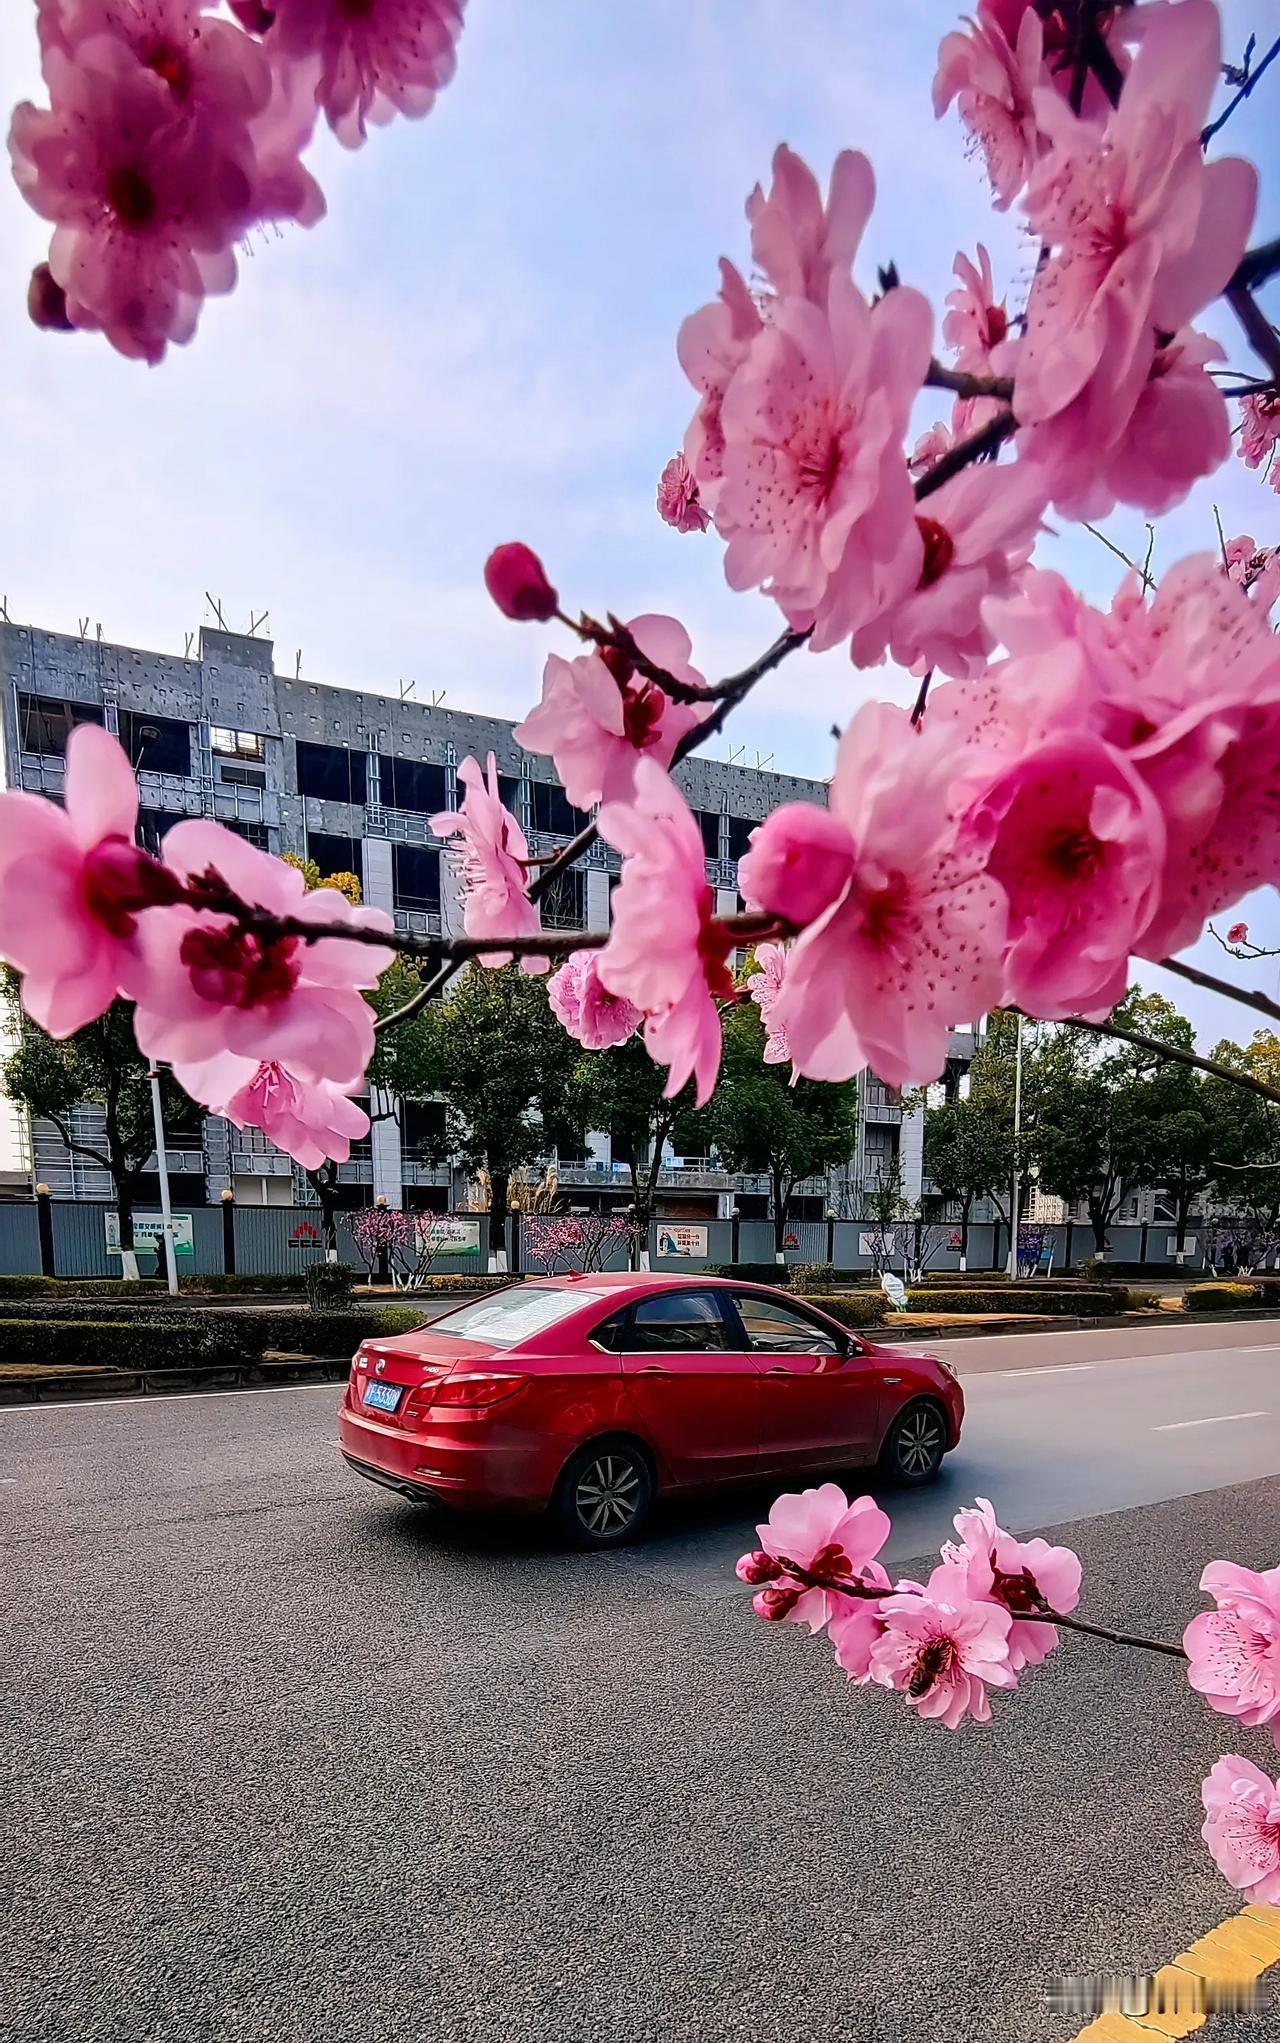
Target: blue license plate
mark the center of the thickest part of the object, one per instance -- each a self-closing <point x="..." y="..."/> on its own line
<point x="383" y="1397"/>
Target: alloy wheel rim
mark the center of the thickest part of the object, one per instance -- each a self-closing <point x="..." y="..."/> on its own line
<point x="918" y="1442"/>
<point x="607" y="1494"/>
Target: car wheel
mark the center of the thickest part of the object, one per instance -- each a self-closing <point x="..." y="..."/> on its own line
<point x="915" y="1444"/>
<point x="605" y="1494"/>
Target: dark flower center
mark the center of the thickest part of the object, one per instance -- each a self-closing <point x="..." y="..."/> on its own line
<point x="643" y="708"/>
<point x="939" y="551"/>
<point x="819" y="469"/>
<point x="357" y="10"/>
<point x="131" y="196"/>
<point x="1016" y="1592"/>
<point x="119" y="879"/>
<point x="235" y="968"/>
<point x="1072" y="853"/>
<point x="172" y="66"/>
<point x="997" y="325"/>
<point x="714" y="946"/>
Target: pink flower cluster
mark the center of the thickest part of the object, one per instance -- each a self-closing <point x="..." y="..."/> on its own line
<point x="267" y="1028"/>
<point x="1101" y="790"/>
<point x="171" y="132"/>
<point x="942" y="1644"/>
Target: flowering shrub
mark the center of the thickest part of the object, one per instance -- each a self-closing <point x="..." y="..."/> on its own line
<point x="581" y="1241"/>
<point x="1081" y="785"/>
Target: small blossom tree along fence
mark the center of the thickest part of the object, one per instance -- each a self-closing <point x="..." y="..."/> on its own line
<point x="580" y="1241"/>
<point x="1074" y="786"/>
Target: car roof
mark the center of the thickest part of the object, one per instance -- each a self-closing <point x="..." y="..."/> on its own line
<point x="638" y="1280"/>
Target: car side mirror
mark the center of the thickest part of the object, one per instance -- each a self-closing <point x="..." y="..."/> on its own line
<point x="850" y="1345"/>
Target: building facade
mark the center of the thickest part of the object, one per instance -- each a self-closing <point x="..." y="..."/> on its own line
<point x="352" y="780"/>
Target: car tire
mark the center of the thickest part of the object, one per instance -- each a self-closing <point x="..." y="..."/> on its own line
<point x="915" y="1444"/>
<point x="605" y="1494"/>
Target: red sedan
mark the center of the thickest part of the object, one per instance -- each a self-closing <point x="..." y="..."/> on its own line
<point x="590" y="1395"/>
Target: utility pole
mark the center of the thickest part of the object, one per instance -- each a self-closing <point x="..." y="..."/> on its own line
<point x="1017" y="1130"/>
<point x="162" y="1161"/>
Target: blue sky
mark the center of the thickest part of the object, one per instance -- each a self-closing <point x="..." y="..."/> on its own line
<point x="478" y="344"/>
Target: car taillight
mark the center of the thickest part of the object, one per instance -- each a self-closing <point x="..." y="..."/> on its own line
<point x="473" y="1392"/>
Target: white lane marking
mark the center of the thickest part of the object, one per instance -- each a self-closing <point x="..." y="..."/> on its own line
<point x="1053" y="1369"/>
<point x="168" y="1397"/>
<point x="1219" y="1419"/>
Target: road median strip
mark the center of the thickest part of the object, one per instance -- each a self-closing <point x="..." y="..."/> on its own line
<point x="1238" y="1953"/>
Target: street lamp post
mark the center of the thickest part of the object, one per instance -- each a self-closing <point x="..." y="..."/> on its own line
<point x="1017" y="1130"/>
<point x="162" y="1161"/>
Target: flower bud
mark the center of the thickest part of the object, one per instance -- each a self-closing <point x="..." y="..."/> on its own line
<point x="775" y="1603"/>
<point x="799" y="862"/>
<point x="758" y="1567"/>
<point x="47" y="301"/>
<point x="517" y="581"/>
<point x="1238" y="933"/>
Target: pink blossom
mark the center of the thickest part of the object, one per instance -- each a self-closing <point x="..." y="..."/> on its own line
<point x="309" y="1120"/>
<point x="664" y="953"/>
<point x="376" y="58"/>
<point x="1234" y="1651"/>
<point x="598" y="716"/>
<point x="1238" y="933"/>
<point x="1242" y="1827"/>
<point x="819" y="1532"/>
<point x="1254" y="568"/>
<point x="1095" y="456"/>
<point x="815" y="499"/>
<point x="800" y="860"/>
<point x="47" y="302"/>
<point x="994" y="81"/>
<point x="929" y="449"/>
<point x="679" y="503"/>
<point x="764" y="985"/>
<point x="854" y="1629"/>
<point x="1021" y="1574"/>
<point x="148" y="163"/>
<point x="495" y="875"/>
<point x="1142" y="233"/>
<point x="73" y="885"/>
<point x="944" y="1649"/>
<point x="1260" y="433"/>
<point x="593" y="1016"/>
<point x="974" y="325"/>
<point x="798" y="242"/>
<point x="977" y="532"/>
<point x="517" y="582"/>
<point x="913" y="942"/>
<point x="1078" y="850"/>
<point x="712" y="345"/>
<point x="210" y="984"/>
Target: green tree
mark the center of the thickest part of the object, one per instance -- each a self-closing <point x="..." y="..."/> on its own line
<point x="1246" y="1161"/>
<point x="99" y="1066"/>
<point x="621" y="1092"/>
<point x="758" y="1120"/>
<point x="496" y="1054"/>
<point x="1094" y="1115"/>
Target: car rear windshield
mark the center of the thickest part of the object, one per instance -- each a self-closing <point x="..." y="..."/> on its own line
<point x="511" y="1316"/>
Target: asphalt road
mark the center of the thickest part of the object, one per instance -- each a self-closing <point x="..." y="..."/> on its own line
<point x="286" y="1760"/>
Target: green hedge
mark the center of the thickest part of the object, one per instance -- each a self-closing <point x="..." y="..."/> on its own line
<point x="1221" y="1297"/>
<point x="121" y="1344"/>
<point x="815" y="1277"/>
<point x="283" y="1283"/>
<point x="748" y="1273"/>
<point x="190" y="1341"/>
<point x="851" y="1308"/>
<point x="1099" y="1302"/>
<point x="87" y="1287"/>
<point x="328" y="1286"/>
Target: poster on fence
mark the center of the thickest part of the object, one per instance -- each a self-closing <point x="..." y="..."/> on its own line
<point x="455" y="1237"/>
<point x="682" y="1241"/>
<point x="148" y="1234"/>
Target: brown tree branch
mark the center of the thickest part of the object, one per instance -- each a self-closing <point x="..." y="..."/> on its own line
<point x="962" y="384"/>
<point x="1174" y="1053"/>
<point x="986" y="441"/>
<point x="1209" y="984"/>
<point x="863" y="1592"/>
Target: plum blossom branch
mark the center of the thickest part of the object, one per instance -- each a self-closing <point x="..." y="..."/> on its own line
<point x="1258" y="330"/>
<point x="867" y="1592"/>
<point x="1247" y="83"/>
<point x="962" y="384"/>
<point x="988" y="440"/>
<point x="1174" y="1053"/>
<point x="1209" y="984"/>
<point x="1256" y="265"/>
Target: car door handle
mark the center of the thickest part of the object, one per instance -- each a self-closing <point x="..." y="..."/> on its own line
<point x="777" y="1369"/>
<point x="652" y="1369"/>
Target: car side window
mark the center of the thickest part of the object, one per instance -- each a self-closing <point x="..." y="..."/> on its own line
<point x="677" y="1322"/>
<point x="774" y="1329"/>
<point x="609" y="1333"/>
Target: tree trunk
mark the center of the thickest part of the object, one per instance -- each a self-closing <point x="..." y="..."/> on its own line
<point x="781" y="1200"/>
<point x="1182" y="1205"/>
<point x="1098" y="1222"/>
<point x="499" y="1209"/>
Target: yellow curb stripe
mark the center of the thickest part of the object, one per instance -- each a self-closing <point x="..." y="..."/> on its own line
<point x="1241" y="1949"/>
